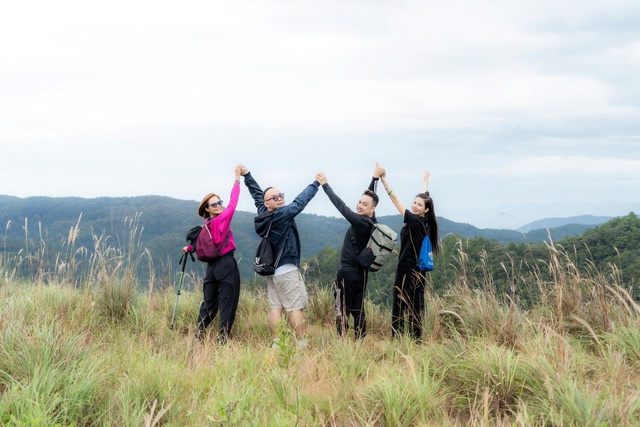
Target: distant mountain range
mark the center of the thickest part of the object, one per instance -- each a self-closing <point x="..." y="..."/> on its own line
<point x="165" y="221"/>
<point x="516" y="216"/>
<point x="559" y="222"/>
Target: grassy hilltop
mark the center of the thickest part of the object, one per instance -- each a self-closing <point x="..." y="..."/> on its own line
<point x="96" y="351"/>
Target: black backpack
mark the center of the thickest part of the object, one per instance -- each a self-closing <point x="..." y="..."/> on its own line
<point x="265" y="262"/>
<point x="192" y="236"/>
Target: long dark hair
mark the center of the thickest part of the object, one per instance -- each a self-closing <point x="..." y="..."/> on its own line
<point x="432" y="222"/>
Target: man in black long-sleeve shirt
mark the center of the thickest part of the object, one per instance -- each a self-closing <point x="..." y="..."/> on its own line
<point x="351" y="280"/>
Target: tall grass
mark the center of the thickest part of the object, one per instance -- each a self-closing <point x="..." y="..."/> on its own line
<point x="85" y="347"/>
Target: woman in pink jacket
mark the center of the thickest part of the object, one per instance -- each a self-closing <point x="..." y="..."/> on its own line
<point x="221" y="286"/>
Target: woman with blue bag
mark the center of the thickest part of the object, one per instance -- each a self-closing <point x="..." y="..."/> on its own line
<point x="420" y="226"/>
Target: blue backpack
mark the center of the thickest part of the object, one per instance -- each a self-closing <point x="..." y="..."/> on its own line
<point x="425" y="260"/>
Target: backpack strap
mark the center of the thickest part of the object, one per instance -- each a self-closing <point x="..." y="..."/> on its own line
<point x="275" y="264"/>
<point x="269" y="228"/>
<point x="224" y="243"/>
<point x="206" y="225"/>
<point x="277" y="261"/>
<point x="217" y="248"/>
<point x="373" y="228"/>
<point x="413" y="245"/>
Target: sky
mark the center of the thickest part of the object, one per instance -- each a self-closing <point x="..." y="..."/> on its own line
<point x="520" y="110"/>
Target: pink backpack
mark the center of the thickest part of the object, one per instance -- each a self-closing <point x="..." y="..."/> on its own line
<point x="206" y="249"/>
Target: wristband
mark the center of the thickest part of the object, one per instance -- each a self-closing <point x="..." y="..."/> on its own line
<point x="389" y="192"/>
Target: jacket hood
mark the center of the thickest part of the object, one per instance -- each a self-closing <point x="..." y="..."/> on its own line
<point x="262" y="221"/>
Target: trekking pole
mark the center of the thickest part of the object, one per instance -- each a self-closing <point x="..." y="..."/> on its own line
<point x="183" y="261"/>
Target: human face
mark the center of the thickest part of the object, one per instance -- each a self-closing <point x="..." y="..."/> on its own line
<point x="365" y="206"/>
<point x="273" y="199"/>
<point x="418" y="206"/>
<point x="214" y="206"/>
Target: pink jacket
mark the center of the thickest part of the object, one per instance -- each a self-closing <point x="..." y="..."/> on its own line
<point x="221" y="224"/>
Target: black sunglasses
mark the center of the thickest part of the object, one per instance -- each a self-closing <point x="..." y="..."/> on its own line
<point x="276" y="197"/>
<point x="216" y="204"/>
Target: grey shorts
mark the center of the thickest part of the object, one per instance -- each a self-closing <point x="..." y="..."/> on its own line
<point x="287" y="291"/>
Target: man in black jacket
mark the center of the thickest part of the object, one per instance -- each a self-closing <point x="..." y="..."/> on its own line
<point x="351" y="280"/>
<point x="285" y="289"/>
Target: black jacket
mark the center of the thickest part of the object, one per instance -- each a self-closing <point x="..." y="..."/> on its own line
<point x="357" y="236"/>
<point x="283" y="232"/>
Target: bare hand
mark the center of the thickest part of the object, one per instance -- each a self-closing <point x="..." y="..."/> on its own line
<point x="425" y="184"/>
<point x="243" y="170"/>
<point x="238" y="171"/>
<point x="378" y="171"/>
<point x="321" y="178"/>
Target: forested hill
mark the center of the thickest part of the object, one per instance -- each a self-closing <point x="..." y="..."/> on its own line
<point x="162" y="223"/>
<point x="610" y="250"/>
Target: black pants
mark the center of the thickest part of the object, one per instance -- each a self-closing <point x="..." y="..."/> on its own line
<point x="408" y="301"/>
<point x="350" y="287"/>
<point x="221" y="288"/>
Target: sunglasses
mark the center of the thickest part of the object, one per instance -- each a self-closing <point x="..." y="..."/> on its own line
<point x="216" y="204"/>
<point x="276" y="197"/>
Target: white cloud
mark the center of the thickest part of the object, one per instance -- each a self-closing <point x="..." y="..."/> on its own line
<point x="503" y="101"/>
<point x="567" y="165"/>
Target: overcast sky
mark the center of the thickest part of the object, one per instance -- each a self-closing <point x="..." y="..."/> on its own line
<point x="521" y="110"/>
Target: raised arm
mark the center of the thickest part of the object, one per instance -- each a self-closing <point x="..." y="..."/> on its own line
<point x="375" y="176"/>
<point x="425" y="185"/>
<point x="235" y="190"/>
<point x="347" y="213"/>
<point x="254" y="189"/>
<point x="300" y="202"/>
<point x="394" y="198"/>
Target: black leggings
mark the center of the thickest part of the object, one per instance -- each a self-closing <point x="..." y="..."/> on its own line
<point x="350" y="287"/>
<point x="408" y="300"/>
<point x="221" y="288"/>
